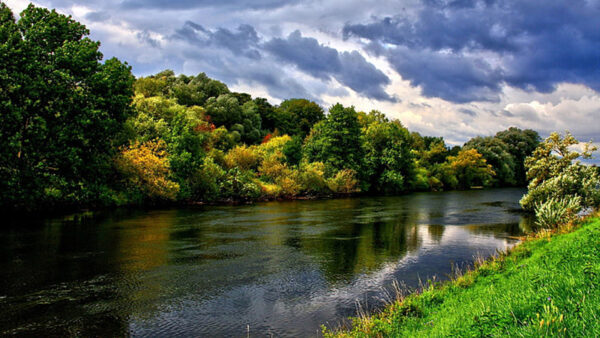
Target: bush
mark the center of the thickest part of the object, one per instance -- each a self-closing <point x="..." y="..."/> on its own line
<point x="240" y="185"/>
<point x="556" y="211"/>
<point x="205" y="181"/>
<point x="271" y="168"/>
<point x="312" y="178"/>
<point x="242" y="157"/>
<point x="554" y="173"/>
<point x="270" y="190"/>
<point x="576" y="180"/>
<point x="146" y="168"/>
<point x="344" y="182"/>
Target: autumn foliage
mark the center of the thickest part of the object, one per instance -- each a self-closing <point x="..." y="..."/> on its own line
<point x="146" y="168"/>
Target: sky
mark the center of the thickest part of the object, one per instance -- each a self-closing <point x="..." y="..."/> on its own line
<point x="451" y="68"/>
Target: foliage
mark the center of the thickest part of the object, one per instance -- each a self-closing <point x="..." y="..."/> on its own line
<point x="553" y="172"/>
<point x="293" y="150"/>
<point x="521" y="144"/>
<point x="343" y="182"/>
<point x="242" y="157"/>
<point x="336" y="141"/>
<point x="471" y="169"/>
<point x="312" y="178"/>
<point x="205" y="183"/>
<point x="61" y="110"/>
<point x="556" y="211"/>
<point x="297" y="116"/>
<point x="388" y="157"/>
<point x="497" y="154"/>
<point x="146" y="169"/>
<point x="240" y="185"/>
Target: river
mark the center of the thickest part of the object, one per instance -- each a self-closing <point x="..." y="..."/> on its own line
<point x="275" y="268"/>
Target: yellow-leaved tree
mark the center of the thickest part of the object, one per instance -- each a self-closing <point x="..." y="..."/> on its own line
<point x="146" y="168"/>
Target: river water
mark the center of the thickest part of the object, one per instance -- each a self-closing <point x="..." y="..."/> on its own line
<point x="276" y="268"/>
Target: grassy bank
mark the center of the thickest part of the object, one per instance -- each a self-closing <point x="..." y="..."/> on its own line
<point x="548" y="285"/>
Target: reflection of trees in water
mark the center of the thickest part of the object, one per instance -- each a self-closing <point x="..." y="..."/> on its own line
<point x="436" y="232"/>
<point x="363" y="235"/>
<point x="496" y="229"/>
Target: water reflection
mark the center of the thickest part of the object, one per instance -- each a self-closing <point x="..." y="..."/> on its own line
<point x="281" y="267"/>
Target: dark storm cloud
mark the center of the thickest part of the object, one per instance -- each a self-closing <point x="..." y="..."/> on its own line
<point x="350" y="69"/>
<point x="242" y="42"/>
<point x="363" y="77"/>
<point x="191" y="4"/>
<point x="452" y="77"/>
<point x="307" y="54"/>
<point x="537" y="45"/>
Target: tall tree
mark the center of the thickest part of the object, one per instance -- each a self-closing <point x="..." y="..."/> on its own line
<point x="497" y="154"/>
<point x="297" y="116"/>
<point x="62" y="109"/>
<point x="521" y="143"/>
<point x="389" y="161"/>
<point x="336" y="141"/>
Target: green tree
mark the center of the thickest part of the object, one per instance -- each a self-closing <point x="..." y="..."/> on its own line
<point x="389" y="161"/>
<point x="497" y="154"/>
<point x="336" y="141"/>
<point x="62" y="110"/>
<point x="252" y="123"/>
<point x="297" y="116"/>
<point x="554" y="172"/>
<point x="521" y="143"/>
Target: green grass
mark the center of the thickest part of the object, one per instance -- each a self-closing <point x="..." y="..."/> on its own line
<point x="543" y="287"/>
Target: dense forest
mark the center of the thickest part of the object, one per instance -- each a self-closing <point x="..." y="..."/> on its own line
<point x="79" y="132"/>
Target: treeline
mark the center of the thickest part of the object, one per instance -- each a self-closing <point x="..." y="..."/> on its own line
<point x="78" y="132"/>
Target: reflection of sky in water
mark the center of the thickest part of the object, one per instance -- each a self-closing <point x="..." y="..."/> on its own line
<point x="279" y="267"/>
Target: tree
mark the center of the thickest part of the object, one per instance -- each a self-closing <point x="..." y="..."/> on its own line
<point x="521" y="143"/>
<point x="336" y="141"/>
<point x="497" y="154"/>
<point x="388" y="158"/>
<point x="471" y="169"/>
<point x="62" y="110"/>
<point x="224" y="110"/>
<point x="297" y="116"/>
<point x="554" y="172"/>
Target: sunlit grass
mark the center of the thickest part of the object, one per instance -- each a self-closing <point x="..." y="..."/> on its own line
<point x="548" y="285"/>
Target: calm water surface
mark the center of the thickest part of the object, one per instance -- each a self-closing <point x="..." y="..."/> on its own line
<point x="279" y="268"/>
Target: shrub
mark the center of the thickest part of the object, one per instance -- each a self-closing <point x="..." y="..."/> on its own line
<point x="271" y="168"/>
<point x="206" y="179"/>
<point x="240" y="185"/>
<point x="242" y="157"/>
<point x="344" y="182"/>
<point x="554" y="173"/>
<point x="270" y="190"/>
<point x="556" y="211"/>
<point x="289" y="184"/>
<point x="576" y="179"/>
<point x="312" y="178"/>
<point x="146" y="167"/>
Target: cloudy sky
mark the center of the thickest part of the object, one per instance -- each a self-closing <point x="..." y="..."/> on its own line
<point x="452" y="68"/>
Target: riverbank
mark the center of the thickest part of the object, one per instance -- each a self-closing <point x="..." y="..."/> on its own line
<point x="548" y="285"/>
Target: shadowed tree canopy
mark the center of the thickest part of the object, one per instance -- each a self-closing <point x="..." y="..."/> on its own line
<point x="62" y="109"/>
<point x="497" y="153"/>
<point x="521" y="143"/>
<point x="336" y="141"/>
<point x="297" y="116"/>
